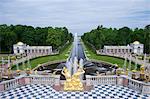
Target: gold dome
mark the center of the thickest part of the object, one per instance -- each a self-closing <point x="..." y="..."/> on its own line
<point x="136" y="42"/>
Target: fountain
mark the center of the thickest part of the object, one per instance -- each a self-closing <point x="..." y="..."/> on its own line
<point x="9" y="69"/>
<point x="135" y="68"/>
<point x="129" y="66"/>
<point x="23" y="64"/>
<point x="81" y="65"/>
<point x="18" y="71"/>
<point x="69" y="66"/>
<point x="28" y="70"/>
<point x="73" y="83"/>
<point x="77" y="57"/>
<point x="73" y="70"/>
<point x="75" y="64"/>
<point x="144" y="61"/>
<point x="125" y="64"/>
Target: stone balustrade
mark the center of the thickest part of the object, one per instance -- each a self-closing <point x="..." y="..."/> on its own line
<point x="138" y="86"/>
<point x="31" y="56"/>
<point x="32" y="79"/>
<point x="135" y="85"/>
<point x="146" y="89"/>
<point x="96" y="80"/>
<point x="6" y="85"/>
<point x="51" y="80"/>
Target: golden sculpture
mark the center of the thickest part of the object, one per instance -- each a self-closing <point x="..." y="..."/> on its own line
<point x="142" y="69"/>
<point x="142" y="72"/>
<point x="73" y="83"/>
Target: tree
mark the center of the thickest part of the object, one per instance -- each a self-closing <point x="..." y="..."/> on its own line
<point x="108" y="36"/>
<point x="147" y="39"/>
<point x="12" y="34"/>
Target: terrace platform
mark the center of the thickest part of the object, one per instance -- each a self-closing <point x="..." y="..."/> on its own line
<point x="40" y="91"/>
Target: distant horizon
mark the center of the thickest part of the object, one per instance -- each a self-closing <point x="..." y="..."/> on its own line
<point x="79" y="16"/>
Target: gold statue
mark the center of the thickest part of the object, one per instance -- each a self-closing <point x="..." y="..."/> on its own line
<point x="67" y="84"/>
<point x="73" y="83"/>
<point x="142" y="69"/>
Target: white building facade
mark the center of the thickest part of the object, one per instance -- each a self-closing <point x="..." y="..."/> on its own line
<point x="21" y="48"/>
<point x="134" y="47"/>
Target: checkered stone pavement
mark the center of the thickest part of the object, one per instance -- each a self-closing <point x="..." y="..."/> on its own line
<point x="38" y="91"/>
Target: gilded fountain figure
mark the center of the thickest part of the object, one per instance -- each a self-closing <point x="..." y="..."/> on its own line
<point x="73" y="83"/>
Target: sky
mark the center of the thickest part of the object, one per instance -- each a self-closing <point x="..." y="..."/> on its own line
<point x="79" y="16"/>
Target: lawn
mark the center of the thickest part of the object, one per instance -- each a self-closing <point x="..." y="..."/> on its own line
<point x="34" y="62"/>
<point x="113" y="60"/>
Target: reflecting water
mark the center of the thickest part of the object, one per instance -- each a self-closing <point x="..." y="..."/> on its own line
<point x="77" y="56"/>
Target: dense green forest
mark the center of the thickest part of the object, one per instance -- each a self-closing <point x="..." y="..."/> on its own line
<point x="12" y="34"/>
<point x="101" y="36"/>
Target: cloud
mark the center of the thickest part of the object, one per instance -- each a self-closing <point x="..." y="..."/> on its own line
<point x="78" y="15"/>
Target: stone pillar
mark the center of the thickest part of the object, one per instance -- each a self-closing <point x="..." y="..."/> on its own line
<point x="146" y="89"/>
<point x="41" y="50"/>
<point x="34" y="50"/>
<point x="120" y="51"/>
<point x="108" y="50"/>
<point x="2" y="87"/>
<point x="27" y="80"/>
<point x="88" y="82"/>
<point x="117" y="51"/>
<point x="38" y="51"/>
<point x="128" y="50"/>
<point x="119" y="80"/>
<point x="105" y="51"/>
<point x="45" y="50"/>
<point x="22" y="81"/>
<point x="125" y="80"/>
<point x="57" y="80"/>
<point x="49" y="51"/>
<point x="114" y="51"/>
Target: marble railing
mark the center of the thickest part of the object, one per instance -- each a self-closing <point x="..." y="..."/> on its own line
<point x="31" y="56"/>
<point x="138" y="86"/>
<point x="10" y="84"/>
<point x="51" y="80"/>
<point x="146" y="89"/>
<point x="135" y="85"/>
<point x="96" y="80"/>
<point x="32" y="79"/>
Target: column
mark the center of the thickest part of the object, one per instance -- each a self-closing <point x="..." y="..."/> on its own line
<point x="121" y="51"/>
<point x="48" y="50"/>
<point x="41" y="50"/>
<point x="34" y="50"/>
<point x="45" y="50"/>
<point x="38" y="51"/>
<point x="117" y="50"/>
<point x="114" y="51"/>
<point x="107" y="50"/>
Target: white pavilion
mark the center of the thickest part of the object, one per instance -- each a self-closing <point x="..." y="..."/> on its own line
<point x="21" y="48"/>
<point x="135" y="47"/>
